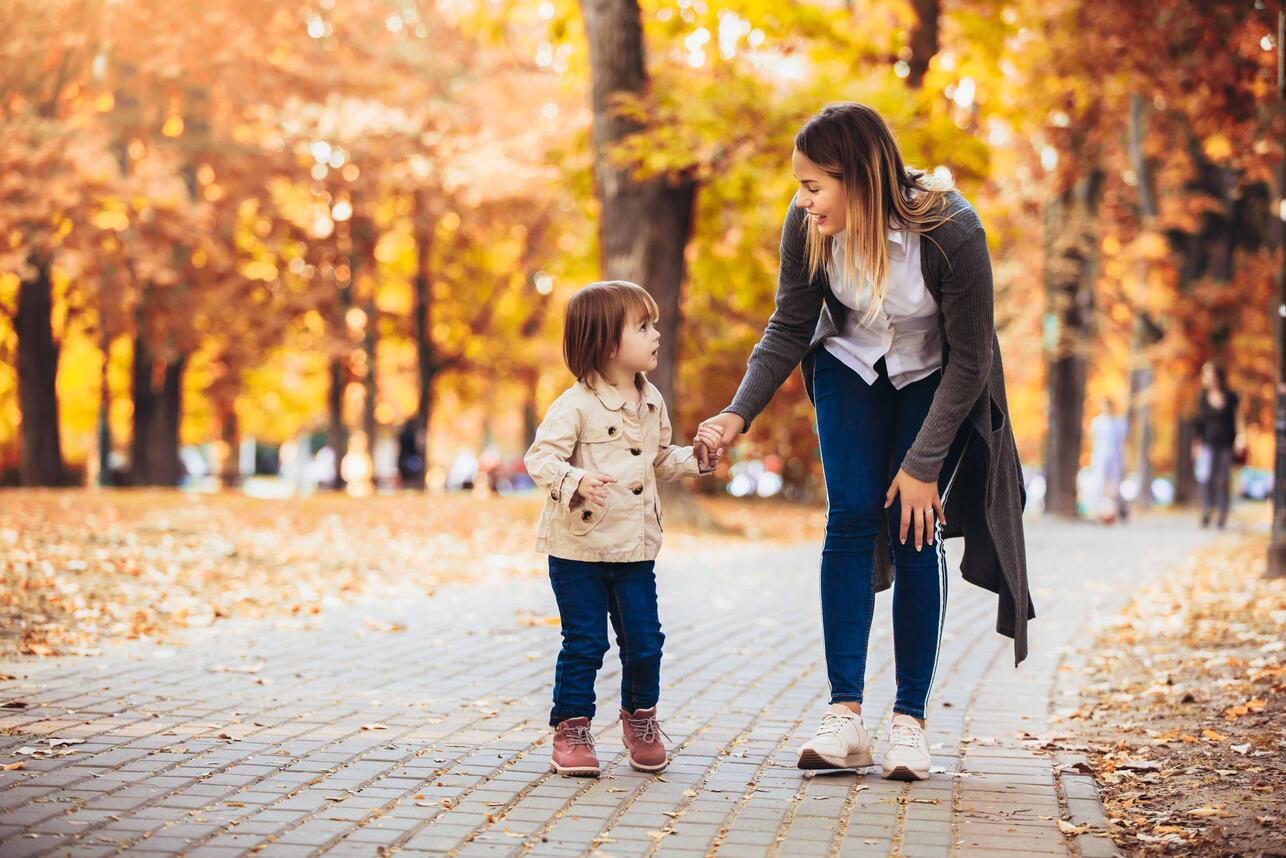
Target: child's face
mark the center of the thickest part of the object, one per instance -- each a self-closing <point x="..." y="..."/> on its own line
<point x="640" y="341"/>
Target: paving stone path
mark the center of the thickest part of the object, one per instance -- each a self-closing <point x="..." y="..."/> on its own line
<point x="263" y="738"/>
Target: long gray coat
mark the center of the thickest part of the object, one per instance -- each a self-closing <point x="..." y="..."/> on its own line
<point x="969" y="409"/>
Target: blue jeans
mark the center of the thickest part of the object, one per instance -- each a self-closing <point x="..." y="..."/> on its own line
<point x="865" y="430"/>
<point x="588" y="594"/>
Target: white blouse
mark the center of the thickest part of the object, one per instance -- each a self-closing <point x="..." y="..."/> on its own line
<point x="904" y="332"/>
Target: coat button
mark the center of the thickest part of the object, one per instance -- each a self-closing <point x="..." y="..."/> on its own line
<point x="586" y="515"/>
<point x="553" y="495"/>
<point x="611" y="430"/>
<point x="637" y="451"/>
<point x="638" y="490"/>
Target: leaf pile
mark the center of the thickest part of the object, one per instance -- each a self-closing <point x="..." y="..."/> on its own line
<point x="81" y="568"/>
<point x="1183" y="709"/>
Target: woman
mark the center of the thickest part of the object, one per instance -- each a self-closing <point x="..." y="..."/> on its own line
<point x="1220" y="435"/>
<point x="885" y="295"/>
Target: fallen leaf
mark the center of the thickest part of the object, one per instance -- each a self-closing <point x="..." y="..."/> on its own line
<point x="1071" y="830"/>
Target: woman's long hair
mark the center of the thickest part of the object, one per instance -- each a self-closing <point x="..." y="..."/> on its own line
<point x="853" y="144"/>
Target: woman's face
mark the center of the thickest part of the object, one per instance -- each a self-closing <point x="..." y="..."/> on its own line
<point x="820" y="194"/>
<point x="1209" y="380"/>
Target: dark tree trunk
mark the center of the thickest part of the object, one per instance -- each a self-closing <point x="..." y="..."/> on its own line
<point x="337" y="432"/>
<point x="158" y="391"/>
<point x="1144" y="336"/>
<point x="924" y="39"/>
<point x="422" y="321"/>
<point x="645" y="225"/>
<point x="1185" y="481"/>
<point x="104" y="401"/>
<point x="41" y="459"/>
<point x="1071" y="258"/>
<point x="230" y="435"/>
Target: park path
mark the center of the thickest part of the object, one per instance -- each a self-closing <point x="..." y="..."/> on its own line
<point x="347" y="738"/>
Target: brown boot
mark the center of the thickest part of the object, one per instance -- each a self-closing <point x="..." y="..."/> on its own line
<point x="643" y="740"/>
<point x="574" y="749"/>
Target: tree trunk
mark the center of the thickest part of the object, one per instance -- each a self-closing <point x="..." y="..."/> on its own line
<point x="158" y="391"/>
<point x="924" y="39"/>
<point x="41" y="460"/>
<point x="645" y="225"/>
<point x="1140" y="406"/>
<point x="422" y="321"/>
<point x="1185" y="481"/>
<point x="104" y="401"/>
<point x="230" y="436"/>
<point x="1071" y="262"/>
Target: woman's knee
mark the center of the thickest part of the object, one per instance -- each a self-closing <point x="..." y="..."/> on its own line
<point x="853" y="526"/>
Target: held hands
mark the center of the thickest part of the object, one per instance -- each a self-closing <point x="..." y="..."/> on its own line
<point x="716" y="435"/>
<point x="920" y="502"/>
<point x="707" y="447"/>
<point x="593" y="488"/>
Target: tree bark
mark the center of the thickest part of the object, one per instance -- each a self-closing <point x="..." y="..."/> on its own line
<point x="1140" y="405"/>
<point x="645" y="225"/>
<point x="924" y="39"/>
<point x="157" y="393"/>
<point x="422" y="322"/>
<point x="1071" y="265"/>
<point x="41" y="459"/>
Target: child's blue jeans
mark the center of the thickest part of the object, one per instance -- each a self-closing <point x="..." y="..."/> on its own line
<point x="865" y="430"/>
<point x="588" y="594"/>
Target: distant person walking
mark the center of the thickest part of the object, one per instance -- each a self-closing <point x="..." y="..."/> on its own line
<point x="1219" y="441"/>
<point x="1107" y="464"/>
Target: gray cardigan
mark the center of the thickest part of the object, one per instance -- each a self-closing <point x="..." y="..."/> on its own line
<point x="969" y="409"/>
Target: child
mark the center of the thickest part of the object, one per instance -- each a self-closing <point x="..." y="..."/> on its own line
<point x="599" y="453"/>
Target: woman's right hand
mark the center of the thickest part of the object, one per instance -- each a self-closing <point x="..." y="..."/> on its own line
<point x="728" y="425"/>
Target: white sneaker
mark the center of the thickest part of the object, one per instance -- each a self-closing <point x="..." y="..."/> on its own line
<point x="907" y="758"/>
<point x="841" y="742"/>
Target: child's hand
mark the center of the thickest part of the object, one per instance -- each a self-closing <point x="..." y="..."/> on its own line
<point x="707" y="447"/>
<point x="593" y="487"/>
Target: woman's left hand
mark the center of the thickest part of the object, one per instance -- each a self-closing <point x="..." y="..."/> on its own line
<point x="920" y="502"/>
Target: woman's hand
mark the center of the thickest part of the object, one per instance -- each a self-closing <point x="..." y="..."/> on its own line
<point x="727" y="426"/>
<point x="920" y="502"/>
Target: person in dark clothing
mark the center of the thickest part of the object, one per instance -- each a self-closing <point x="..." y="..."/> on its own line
<point x="1219" y="437"/>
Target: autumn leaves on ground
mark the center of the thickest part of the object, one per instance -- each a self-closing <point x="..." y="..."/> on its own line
<point x="83" y="569"/>
<point x="1182" y="706"/>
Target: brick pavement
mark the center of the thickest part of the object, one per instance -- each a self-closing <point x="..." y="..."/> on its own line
<point x="346" y="740"/>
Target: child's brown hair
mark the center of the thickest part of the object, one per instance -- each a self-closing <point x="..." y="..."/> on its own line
<point x="594" y="320"/>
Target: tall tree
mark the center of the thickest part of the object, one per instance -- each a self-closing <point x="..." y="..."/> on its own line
<point x="645" y="225"/>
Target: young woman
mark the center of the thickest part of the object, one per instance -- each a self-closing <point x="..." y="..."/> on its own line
<point x="885" y="295"/>
<point x="1220" y="437"/>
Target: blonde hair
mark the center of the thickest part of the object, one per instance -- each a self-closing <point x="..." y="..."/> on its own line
<point x="594" y="320"/>
<point x="853" y="144"/>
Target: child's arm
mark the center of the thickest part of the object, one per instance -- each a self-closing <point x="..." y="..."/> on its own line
<point x="546" y="461"/>
<point x="672" y="461"/>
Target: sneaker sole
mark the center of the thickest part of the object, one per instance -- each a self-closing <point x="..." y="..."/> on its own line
<point x="575" y="771"/>
<point x="810" y="759"/>
<point x="903" y="773"/>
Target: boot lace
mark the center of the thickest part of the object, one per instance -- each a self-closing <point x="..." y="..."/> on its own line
<point x="579" y="736"/>
<point x="646" y="729"/>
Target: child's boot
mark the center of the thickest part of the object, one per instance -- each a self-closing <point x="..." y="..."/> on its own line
<point x="574" y="749"/>
<point x="643" y="740"/>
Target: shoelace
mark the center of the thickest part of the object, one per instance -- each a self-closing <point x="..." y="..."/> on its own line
<point x="905" y="735"/>
<point x="579" y="736"/>
<point x="646" y="728"/>
<point x="831" y="723"/>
